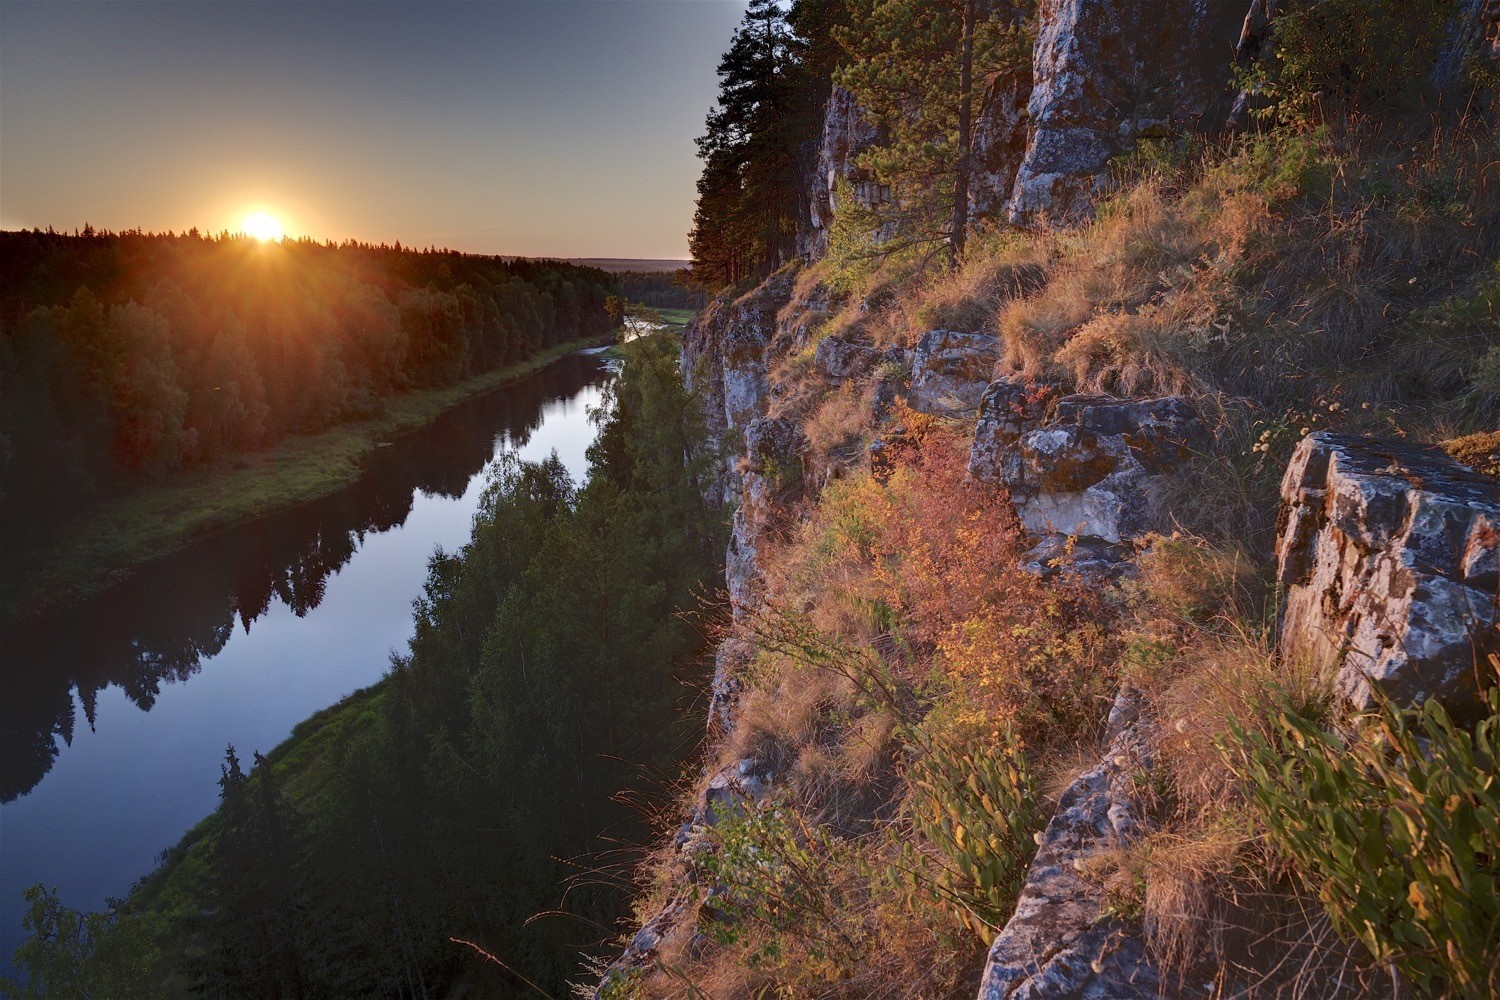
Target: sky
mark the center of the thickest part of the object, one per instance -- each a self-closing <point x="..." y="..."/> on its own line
<point x="558" y="128"/>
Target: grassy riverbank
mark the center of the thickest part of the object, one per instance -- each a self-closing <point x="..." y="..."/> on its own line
<point x="101" y="544"/>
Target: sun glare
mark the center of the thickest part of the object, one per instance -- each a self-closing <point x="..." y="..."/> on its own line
<point x="262" y="226"/>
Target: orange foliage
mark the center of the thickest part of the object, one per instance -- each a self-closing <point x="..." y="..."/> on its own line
<point x="937" y="556"/>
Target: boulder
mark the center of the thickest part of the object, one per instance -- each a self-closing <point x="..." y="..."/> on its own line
<point x="1087" y="465"/>
<point x="1061" y="941"/>
<point x="1104" y="74"/>
<point x="1390" y="554"/>
<point x="838" y="359"/>
<point x="949" y="371"/>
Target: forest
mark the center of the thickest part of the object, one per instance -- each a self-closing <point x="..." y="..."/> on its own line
<point x="127" y="356"/>
<point x="474" y="795"/>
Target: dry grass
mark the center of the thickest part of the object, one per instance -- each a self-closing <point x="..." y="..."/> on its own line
<point x="1216" y="907"/>
<point x="970" y="297"/>
<point x="839" y="427"/>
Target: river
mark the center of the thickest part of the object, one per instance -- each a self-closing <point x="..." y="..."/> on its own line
<point x="117" y="711"/>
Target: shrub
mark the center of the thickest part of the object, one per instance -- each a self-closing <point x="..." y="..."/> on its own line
<point x="1480" y="452"/>
<point x="1340" y="50"/>
<point x="1399" y="827"/>
<point x="978" y="807"/>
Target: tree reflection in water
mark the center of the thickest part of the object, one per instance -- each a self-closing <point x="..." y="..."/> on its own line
<point x="172" y="614"/>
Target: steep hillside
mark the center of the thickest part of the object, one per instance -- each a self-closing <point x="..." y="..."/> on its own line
<point x="1105" y="620"/>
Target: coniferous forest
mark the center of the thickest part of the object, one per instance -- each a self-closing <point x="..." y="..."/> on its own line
<point x="126" y="356"/>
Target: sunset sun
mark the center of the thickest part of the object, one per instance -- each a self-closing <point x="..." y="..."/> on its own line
<point x="263" y="226"/>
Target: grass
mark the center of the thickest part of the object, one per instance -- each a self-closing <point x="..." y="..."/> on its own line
<point x="101" y="545"/>
<point x="676" y="319"/>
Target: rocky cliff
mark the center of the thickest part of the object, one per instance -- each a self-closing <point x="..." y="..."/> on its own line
<point x="1105" y="74"/>
<point x="1387" y="552"/>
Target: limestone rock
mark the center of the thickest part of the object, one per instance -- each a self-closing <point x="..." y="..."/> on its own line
<point x="726" y="354"/>
<point x="846" y="134"/>
<point x="1060" y="942"/>
<point x="1390" y="554"/>
<point x="772" y="481"/>
<point x="1105" y="73"/>
<point x="999" y="140"/>
<point x="950" y="370"/>
<point x="838" y="359"/>
<point x="728" y="685"/>
<point x="1088" y="466"/>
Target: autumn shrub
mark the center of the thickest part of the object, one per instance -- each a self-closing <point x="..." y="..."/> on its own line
<point x="946" y="563"/>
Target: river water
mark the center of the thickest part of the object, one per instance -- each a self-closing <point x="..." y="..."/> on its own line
<point x="116" y="712"/>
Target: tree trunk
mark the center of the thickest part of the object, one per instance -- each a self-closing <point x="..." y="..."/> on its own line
<point x="960" y="225"/>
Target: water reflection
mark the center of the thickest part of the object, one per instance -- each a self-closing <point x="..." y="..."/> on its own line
<point x="178" y="611"/>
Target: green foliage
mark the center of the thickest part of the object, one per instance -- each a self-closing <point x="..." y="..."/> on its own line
<point x="1283" y="165"/>
<point x="903" y="65"/>
<point x="1342" y="52"/>
<point x="787" y="879"/>
<point x="92" y="956"/>
<point x="1397" y="827"/>
<point x="978" y="806"/>
<point x="859" y="244"/>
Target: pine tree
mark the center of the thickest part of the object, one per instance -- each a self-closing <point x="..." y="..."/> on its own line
<point x="750" y="197"/>
<point x="918" y="68"/>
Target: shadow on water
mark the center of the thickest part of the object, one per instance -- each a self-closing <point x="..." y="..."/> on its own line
<point x="158" y="626"/>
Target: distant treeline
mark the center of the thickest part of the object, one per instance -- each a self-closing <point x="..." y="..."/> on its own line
<point x="123" y="354"/>
<point x="662" y="289"/>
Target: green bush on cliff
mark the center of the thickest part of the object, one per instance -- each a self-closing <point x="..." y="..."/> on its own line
<point x="1398" y="827"/>
<point x="1341" y="51"/>
<point x="978" y="806"/>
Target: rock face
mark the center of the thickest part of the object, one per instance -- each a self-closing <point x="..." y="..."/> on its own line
<point x="725" y="354"/>
<point x="1106" y="72"/>
<point x="846" y="134"/>
<point x="1390" y="554"/>
<point x="771" y="482"/>
<point x="838" y="359"/>
<point x="950" y="370"/>
<point x="1060" y="942"/>
<point x="1086" y="465"/>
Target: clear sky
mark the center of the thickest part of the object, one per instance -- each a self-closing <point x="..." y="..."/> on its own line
<point x="548" y="128"/>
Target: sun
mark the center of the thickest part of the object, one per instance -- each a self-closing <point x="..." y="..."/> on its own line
<point x="263" y="226"/>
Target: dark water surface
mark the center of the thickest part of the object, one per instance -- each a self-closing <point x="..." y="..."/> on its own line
<point x="114" y="714"/>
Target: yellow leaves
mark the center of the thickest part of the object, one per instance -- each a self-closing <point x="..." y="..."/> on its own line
<point x="1418" y="900"/>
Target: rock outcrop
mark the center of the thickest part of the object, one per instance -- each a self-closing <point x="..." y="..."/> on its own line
<point x="1061" y="941"/>
<point x="771" y="482"/>
<point x="1084" y="466"/>
<point x="1390" y="554"/>
<point x="838" y="359"/>
<point x="726" y="353"/>
<point x="846" y="133"/>
<point x="1104" y="74"/>
<point x="949" y="371"/>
